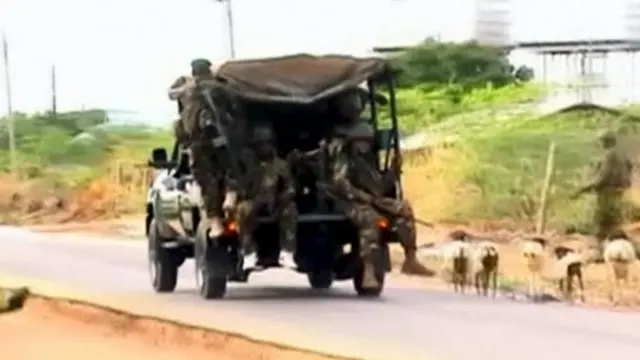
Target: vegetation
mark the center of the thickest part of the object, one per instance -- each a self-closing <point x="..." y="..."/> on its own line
<point x="490" y="168"/>
<point x="494" y="169"/>
<point x="458" y="67"/>
<point x="71" y="158"/>
<point x="420" y="108"/>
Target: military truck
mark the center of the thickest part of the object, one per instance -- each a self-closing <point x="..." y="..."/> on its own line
<point x="296" y="94"/>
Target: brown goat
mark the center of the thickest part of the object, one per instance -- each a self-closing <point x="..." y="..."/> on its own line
<point x="570" y="263"/>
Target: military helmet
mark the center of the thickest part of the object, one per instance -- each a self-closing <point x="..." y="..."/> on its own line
<point x="351" y="103"/>
<point x="262" y="133"/>
<point x="357" y="130"/>
<point x="200" y="65"/>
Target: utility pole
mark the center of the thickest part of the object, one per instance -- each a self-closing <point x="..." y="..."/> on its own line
<point x="54" y="92"/>
<point x="10" y="128"/>
<point x="230" y="30"/>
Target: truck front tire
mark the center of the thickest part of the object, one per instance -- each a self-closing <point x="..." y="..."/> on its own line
<point x="163" y="263"/>
<point x="212" y="264"/>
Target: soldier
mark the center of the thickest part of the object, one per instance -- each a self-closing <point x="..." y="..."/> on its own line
<point x="271" y="187"/>
<point x="349" y="105"/>
<point x="360" y="186"/>
<point x="195" y="117"/>
<point x="613" y="177"/>
<point x="12" y="299"/>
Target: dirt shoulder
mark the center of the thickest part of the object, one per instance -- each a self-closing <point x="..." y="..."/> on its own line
<point x="56" y="329"/>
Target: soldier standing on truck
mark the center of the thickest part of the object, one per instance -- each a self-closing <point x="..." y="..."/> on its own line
<point x="613" y="178"/>
<point x="12" y="299"/>
<point x="270" y="186"/>
<point x="195" y="119"/>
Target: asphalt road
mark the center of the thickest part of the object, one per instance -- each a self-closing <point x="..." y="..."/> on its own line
<point x="425" y="324"/>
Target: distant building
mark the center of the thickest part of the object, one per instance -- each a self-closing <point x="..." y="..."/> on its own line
<point x="603" y="71"/>
<point x="587" y="49"/>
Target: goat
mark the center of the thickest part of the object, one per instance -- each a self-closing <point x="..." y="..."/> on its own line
<point x="485" y="267"/>
<point x="619" y="254"/>
<point x="569" y="265"/>
<point x="457" y="255"/>
<point x="533" y="252"/>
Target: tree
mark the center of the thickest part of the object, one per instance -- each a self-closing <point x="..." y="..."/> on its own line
<point x="469" y="65"/>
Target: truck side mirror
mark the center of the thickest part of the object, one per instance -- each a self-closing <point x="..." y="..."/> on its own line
<point x="159" y="159"/>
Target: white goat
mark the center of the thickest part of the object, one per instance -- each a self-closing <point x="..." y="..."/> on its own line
<point x="619" y="255"/>
<point x="485" y="260"/>
<point x="457" y="256"/>
<point x="568" y="266"/>
<point x="533" y="252"/>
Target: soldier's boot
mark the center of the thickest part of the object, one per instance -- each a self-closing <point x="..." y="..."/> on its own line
<point x="249" y="253"/>
<point x="287" y="253"/>
<point x="597" y="252"/>
<point x="413" y="266"/>
<point x="597" y="255"/>
<point x="369" y="280"/>
<point x="230" y="201"/>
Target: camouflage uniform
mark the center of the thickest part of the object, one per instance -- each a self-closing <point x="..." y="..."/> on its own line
<point x="400" y="212"/>
<point x="191" y="129"/>
<point x="12" y="299"/>
<point x="613" y="177"/>
<point x="271" y="186"/>
<point x="179" y="133"/>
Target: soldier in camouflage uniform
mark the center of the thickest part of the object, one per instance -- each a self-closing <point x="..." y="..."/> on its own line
<point x="351" y="106"/>
<point x="191" y="129"/>
<point x="612" y="179"/>
<point x="12" y="299"/>
<point x="359" y="187"/>
<point x="271" y="187"/>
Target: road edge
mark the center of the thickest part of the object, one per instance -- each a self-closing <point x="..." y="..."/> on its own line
<point x="270" y="335"/>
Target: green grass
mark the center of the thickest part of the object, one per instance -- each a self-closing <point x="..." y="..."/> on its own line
<point x="493" y="171"/>
<point x="498" y="166"/>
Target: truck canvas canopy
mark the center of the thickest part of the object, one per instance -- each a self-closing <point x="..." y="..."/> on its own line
<point x="299" y="79"/>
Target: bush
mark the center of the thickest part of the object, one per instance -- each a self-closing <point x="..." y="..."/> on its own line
<point x="420" y="109"/>
<point x="71" y="155"/>
<point x="468" y="65"/>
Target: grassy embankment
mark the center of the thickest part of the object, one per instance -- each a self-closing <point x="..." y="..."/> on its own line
<point x="492" y="173"/>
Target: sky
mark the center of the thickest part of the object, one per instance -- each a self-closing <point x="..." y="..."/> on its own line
<point x="123" y="54"/>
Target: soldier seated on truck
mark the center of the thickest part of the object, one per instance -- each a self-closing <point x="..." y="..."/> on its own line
<point x="270" y="186"/>
<point x="361" y="190"/>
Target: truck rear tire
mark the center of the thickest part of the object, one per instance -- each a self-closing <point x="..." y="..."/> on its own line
<point x="321" y="279"/>
<point x="163" y="263"/>
<point x="380" y="273"/>
<point x="211" y="267"/>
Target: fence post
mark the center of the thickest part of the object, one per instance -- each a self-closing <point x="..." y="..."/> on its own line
<point x="541" y="222"/>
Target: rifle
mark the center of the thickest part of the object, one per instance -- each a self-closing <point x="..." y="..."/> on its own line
<point x="223" y="141"/>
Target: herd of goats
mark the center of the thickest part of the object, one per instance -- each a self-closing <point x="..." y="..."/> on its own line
<point x="477" y="262"/>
